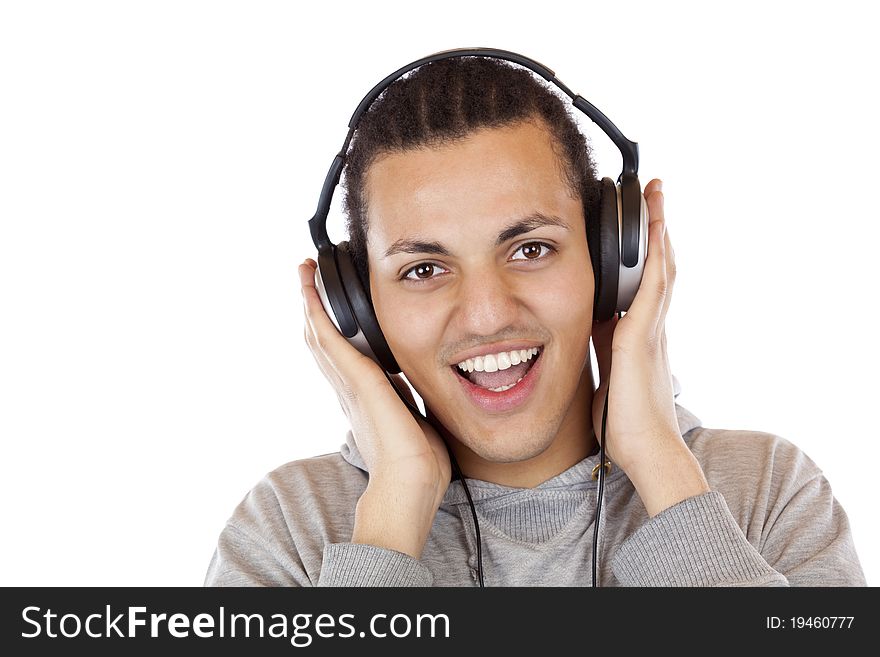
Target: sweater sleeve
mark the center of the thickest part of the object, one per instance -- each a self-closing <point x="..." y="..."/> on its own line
<point x="808" y="538"/>
<point x="289" y="532"/>
<point x="798" y="535"/>
<point x="242" y="560"/>
<point x="352" y="564"/>
<point x="693" y="543"/>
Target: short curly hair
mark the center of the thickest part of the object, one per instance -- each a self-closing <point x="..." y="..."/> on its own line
<point x="447" y="100"/>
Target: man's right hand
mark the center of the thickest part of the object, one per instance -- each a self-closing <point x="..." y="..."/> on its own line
<point x="407" y="459"/>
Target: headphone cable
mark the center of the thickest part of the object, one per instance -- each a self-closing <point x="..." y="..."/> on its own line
<point x="470" y="500"/>
<point x="601" y="482"/>
<point x="601" y="466"/>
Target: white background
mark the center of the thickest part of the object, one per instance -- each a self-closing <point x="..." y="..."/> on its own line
<point x="158" y="164"/>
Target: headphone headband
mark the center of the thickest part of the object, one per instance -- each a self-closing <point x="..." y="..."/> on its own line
<point x="628" y="149"/>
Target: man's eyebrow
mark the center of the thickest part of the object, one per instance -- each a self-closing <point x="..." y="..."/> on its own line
<point x="530" y="223"/>
<point x="526" y="225"/>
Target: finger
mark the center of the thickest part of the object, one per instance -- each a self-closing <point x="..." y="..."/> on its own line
<point x="306" y="273"/>
<point x="314" y="311"/>
<point x="668" y="367"/>
<point x="323" y="364"/>
<point x="326" y="336"/>
<point x="656" y="185"/>
<point x="665" y="356"/>
<point x="670" y="278"/>
<point x="326" y="369"/>
<point x="647" y="306"/>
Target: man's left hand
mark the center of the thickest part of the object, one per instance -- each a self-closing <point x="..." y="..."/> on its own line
<point x="642" y="435"/>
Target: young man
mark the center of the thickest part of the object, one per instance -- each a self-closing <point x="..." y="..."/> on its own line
<point x="471" y="200"/>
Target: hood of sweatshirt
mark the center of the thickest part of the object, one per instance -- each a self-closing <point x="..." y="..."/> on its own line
<point x="576" y="479"/>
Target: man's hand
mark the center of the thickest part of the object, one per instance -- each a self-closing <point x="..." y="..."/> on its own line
<point x="642" y="435"/>
<point x="408" y="461"/>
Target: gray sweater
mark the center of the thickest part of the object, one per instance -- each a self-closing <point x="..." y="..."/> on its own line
<point x="770" y="519"/>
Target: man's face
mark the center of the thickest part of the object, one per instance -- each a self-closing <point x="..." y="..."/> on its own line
<point x="479" y="248"/>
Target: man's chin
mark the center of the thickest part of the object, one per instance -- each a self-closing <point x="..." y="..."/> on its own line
<point x="502" y="447"/>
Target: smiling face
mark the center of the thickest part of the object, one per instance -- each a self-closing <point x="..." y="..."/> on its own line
<point x="478" y="256"/>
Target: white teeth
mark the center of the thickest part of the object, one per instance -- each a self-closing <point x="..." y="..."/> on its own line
<point x="499" y="361"/>
<point x="503" y="388"/>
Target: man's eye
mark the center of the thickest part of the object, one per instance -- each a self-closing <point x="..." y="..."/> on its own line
<point x="424" y="271"/>
<point x="533" y="251"/>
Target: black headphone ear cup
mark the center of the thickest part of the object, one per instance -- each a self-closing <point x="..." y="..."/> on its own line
<point x="332" y="293"/>
<point x="607" y="268"/>
<point x="369" y="340"/>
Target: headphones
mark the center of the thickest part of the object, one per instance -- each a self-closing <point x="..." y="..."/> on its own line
<point x="623" y="231"/>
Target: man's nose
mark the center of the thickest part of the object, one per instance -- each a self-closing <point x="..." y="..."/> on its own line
<point x="487" y="302"/>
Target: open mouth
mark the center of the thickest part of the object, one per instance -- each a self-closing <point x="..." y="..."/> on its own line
<point x="499" y="372"/>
